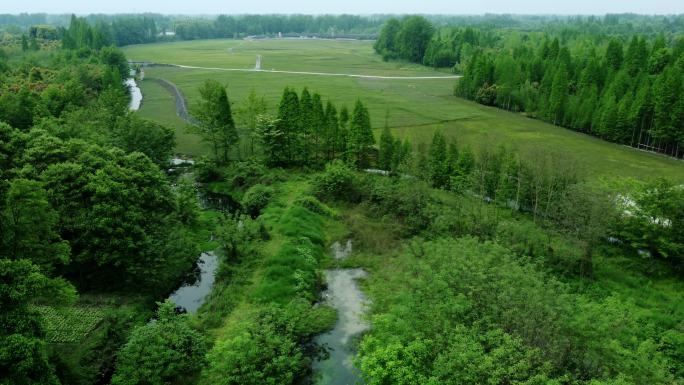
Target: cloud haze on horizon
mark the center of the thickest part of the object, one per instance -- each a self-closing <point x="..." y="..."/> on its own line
<point x="584" y="7"/>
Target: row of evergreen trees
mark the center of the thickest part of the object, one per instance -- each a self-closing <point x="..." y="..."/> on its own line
<point x="307" y="133"/>
<point x="626" y="91"/>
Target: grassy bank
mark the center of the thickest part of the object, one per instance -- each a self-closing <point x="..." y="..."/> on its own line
<point x="260" y="312"/>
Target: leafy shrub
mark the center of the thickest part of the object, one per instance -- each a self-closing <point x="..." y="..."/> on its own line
<point x="407" y="201"/>
<point x="267" y="349"/>
<point x="523" y="238"/>
<point x="256" y="198"/>
<point x="454" y="316"/>
<point x="243" y="175"/>
<point x="314" y="205"/>
<point x="237" y="235"/>
<point x="338" y="182"/>
<point x="206" y="170"/>
<point x="655" y="220"/>
<point x="162" y="352"/>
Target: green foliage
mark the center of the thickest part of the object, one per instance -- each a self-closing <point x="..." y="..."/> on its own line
<point x="216" y="125"/>
<point x="652" y="220"/>
<point x="141" y="135"/>
<point x="438" y="162"/>
<point x="360" y="140"/>
<point x="587" y="215"/>
<point x="272" y="140"/>
<point x="405" y="200"/>
<point x="388" y="151"/>
<point x="289" y="125"/>
<point x="236" y="236"/>
<point x="23" y="354"/>
<point x="165" y="351"/>
<point x="122" y="219"/>
<point x="585" y="83"/>
<point x="337" y="182"/>
<point x="29" y="227"/>
<point x="454" y="316"/>
<point x="406" y="39"/>
<point x="267" y="349"/>
<point x="206" y="170"/>
<point x="70" y="324"/>
<point x="255" y="199"/>
<point x="314" y="205"/>
<point x="188" y="206"/>
<point x="242" y="175"/>
<point x="250" y="118"/>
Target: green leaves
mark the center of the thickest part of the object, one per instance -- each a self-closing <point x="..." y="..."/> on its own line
<point x="361" y="139"/>
<point x="23" y="355"/>
<point x="164" y="351"/>
<point x="216" y="125"/>
<point x="30" y="227"/>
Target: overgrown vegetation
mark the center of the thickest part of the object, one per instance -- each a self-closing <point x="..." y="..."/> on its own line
<point x="84" y="205"/>
<point x="487" y="265"/>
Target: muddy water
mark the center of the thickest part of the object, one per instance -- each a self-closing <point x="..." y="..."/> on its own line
<point x="344" y="295"/>
<point x="192" y="296"/>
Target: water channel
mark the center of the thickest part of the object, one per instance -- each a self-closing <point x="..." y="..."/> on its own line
<point x="344" y="295"/>
<point x="136" y="94"/>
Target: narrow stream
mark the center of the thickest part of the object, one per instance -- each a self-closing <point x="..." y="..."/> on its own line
<point x="136" y="94"/>
<point x="191" y="296"/>
<point x="344" y="295"/>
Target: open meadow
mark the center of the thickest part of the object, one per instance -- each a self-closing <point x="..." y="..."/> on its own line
<point x="415" y="107"/>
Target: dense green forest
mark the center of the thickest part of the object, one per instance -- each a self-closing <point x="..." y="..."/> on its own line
<point x="85" y="207"/>
<point x="485" y="265"/>
<point x="622" y="85"/>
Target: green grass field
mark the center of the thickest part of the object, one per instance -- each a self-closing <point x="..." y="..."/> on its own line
<point x="416" y="107"/>
<point x="159" y="105"/>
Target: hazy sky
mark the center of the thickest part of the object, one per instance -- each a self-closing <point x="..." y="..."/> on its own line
<point x="347" y="6"/>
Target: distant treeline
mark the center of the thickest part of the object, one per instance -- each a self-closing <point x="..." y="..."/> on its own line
<point x="170" y="27"/>
<point x="239" y="26"/>
<point x="593" y="75"/>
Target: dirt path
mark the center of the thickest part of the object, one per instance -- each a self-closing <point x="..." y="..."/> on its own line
<point x="181" y="104"/>
<point x="315" y="73"/>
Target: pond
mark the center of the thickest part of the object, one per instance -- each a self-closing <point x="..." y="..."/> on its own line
<point x="224" y="203"/>
<point x="191" y="296"/>
<point x="344" y="295"/>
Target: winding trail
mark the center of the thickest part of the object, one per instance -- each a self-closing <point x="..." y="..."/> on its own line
<point x="313" y="73"/>
<point x="181" y="104"/>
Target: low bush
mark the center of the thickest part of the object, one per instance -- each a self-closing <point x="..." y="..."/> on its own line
<point x="255" y="199"/>
<point x="243" y="175"/>
<point x="206" y="170"/>
<point x="314" y="205"/>
<point x="408" y="201"/>
<point x="166" y="351"/>
<point x="268" y="348"/>
<point x="338" y="182"/>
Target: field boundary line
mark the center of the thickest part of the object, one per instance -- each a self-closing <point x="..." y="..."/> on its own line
<point x="181" y="103"/>
<point x="313" y="73"/>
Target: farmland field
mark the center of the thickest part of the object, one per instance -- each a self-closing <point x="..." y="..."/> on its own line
<point x="415" y="107"/>
<point x="70" y="324"/>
